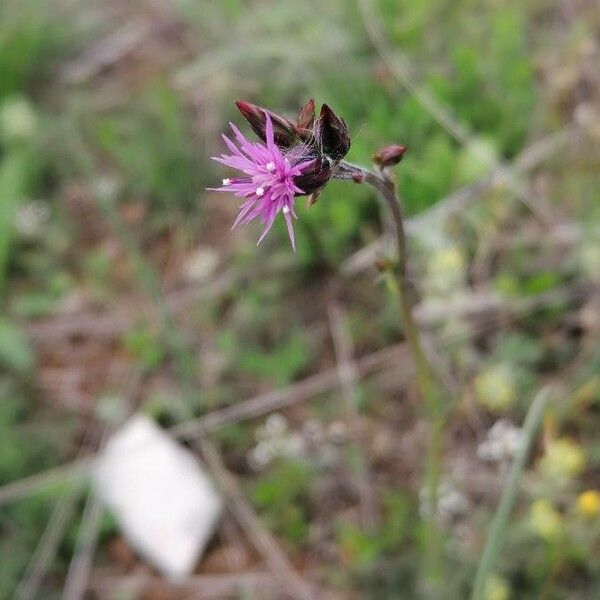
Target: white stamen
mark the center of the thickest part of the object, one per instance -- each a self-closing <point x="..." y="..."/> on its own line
<point x="270" y="166"/>
<point x="285" y="210"/>
<point x="226" y="181"/>
<point x="260" y="191"/>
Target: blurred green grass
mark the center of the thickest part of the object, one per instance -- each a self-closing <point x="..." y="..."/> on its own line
<point x="141" y="132"/>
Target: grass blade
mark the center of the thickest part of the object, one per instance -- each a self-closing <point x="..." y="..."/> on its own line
<point x="495" y="539"/>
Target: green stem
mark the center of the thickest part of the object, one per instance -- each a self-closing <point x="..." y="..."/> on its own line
<point x="495" y="539"/>
<point x="427" y="381"/>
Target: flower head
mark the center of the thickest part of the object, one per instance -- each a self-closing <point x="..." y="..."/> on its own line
<point x="495" y="387"/>
<point x="588" y="504"/>
<point x="545" y="520"/>
<point x="271" y="179"/>
<point x="563" y="460"/>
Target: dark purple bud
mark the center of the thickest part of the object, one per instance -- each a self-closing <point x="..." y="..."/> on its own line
<point x="305" y="122"/>
<point x="306" y="117"/>
<point x="315" y="178"/>
<point x="284" y="131"/>
<point x="389" y="156"/>
<point x="331" y="133"/>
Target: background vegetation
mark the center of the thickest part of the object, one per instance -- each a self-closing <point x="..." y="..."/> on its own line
<point x="122" y="287"/>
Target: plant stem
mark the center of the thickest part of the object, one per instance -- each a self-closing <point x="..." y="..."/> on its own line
<point x="427" y="382"/>
<point x="495" y="539"/>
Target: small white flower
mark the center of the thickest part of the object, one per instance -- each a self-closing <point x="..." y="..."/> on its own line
<point x="201" y="264"/>
<point x="501" y="443"/>
<point x="338" y="432"/>
<point x="275" y="441"/>
<point x="30" y="218"/>
<point x="313" y="429"/>
<point x="451" y="503"/>
<point x="106" y="186"/>
<point x="276" y="424"/>
<point x="294" y="445"/>
<point x="260" y="456"/>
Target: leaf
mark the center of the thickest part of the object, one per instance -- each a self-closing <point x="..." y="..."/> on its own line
<point x="14" y="177"/>
<point x="15" y="352"/>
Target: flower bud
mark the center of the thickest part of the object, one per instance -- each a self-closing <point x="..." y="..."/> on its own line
<point x="306" y="117"/>
<point x="331" y="133"/>
<point x="389" y="156"/>
<point x="315" y="178"/>
<point x="284" y="131"/>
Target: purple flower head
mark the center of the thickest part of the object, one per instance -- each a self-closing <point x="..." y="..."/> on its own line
<point x="268" y="186"/>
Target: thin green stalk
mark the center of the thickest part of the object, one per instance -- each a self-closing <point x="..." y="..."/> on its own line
<point x="426" y="379"/>
<point x="382" y="181"/>
<point x="14" y="180"/>
<point x="497" y="532"/>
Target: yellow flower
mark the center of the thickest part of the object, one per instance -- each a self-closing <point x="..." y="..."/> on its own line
<point x="563" y="460"/>
<point x="495" y="388"/>
<point x="496" y="588"/>
<point x="588" y="504"/>
<point x="545" y="520"/>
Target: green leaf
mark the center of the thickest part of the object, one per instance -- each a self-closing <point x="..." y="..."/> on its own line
<point x="14" y="349"/>
<point x="14" y="176"/>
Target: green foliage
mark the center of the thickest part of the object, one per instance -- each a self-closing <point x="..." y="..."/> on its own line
<point x="145" y="347"/>
<point x="32" y="36"/>
<point x="20" y="526"/>
<point x="267" y="342"/>
<point x="15" y="182"/>
<point x="282" y="496"/>
<point x="363" y="549"/>
<point x="14" y="349"/>
<point x="285" y="359"/>
<point x="151" y="144"/>
<point x="53" y="287"/>
<point x="520" y="349"/>
<point x="22" y="522"/>
<point x="150" y="121"/>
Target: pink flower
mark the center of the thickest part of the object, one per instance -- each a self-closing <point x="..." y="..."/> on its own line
<point x="268" y="187"/>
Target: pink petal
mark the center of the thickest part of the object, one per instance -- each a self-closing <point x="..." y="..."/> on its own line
<point x="269" y="135"/>
<point x="290" y="228"/>
<point x="268" y="226"/>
